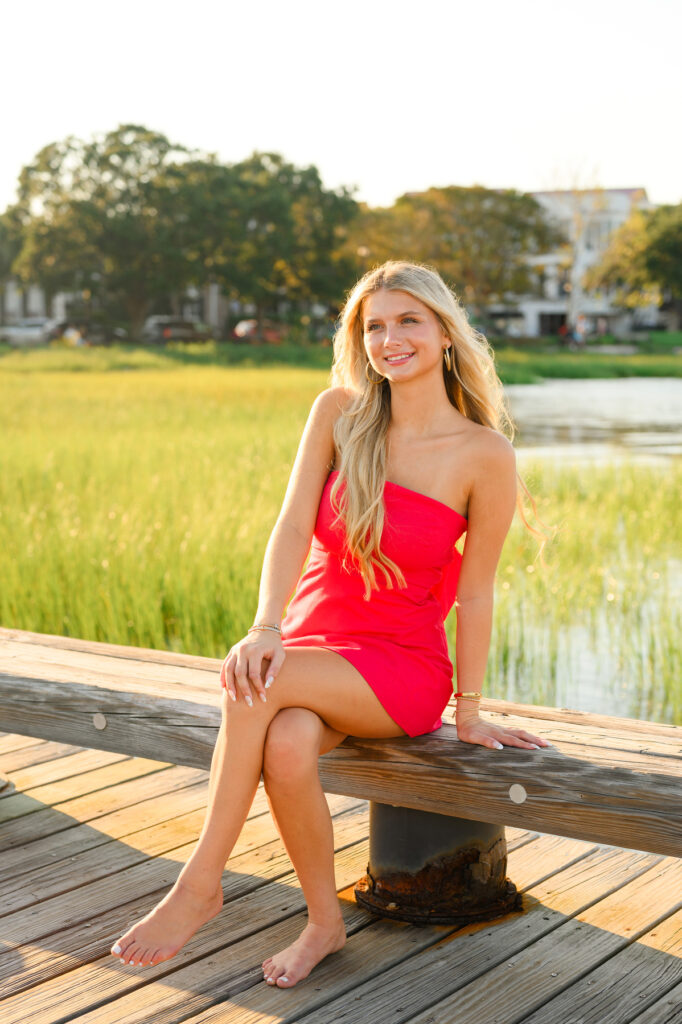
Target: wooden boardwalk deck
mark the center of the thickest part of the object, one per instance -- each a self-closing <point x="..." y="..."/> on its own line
<point x="90" y="840"/>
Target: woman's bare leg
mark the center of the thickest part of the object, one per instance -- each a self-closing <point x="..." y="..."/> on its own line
<point x="311" y="678"/>
<point x="295" y="740"/>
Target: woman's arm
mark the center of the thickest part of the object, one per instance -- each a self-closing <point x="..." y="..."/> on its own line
<point x="286" y="550"/>
<point x="492" y="501"/>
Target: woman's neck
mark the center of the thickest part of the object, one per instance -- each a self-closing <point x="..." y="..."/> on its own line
<point x="417" y="411"/>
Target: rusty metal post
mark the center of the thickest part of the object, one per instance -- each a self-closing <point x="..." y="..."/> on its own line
<point x="435" y="869"/>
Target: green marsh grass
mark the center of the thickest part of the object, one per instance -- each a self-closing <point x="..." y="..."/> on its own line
<point x="136" y="503"/>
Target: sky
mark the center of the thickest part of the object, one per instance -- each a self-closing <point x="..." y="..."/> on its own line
<point x="382" y="97"/>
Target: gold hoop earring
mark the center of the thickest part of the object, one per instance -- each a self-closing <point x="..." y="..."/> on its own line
<point x="447" y="357"/>
<point x="372" y="380"/>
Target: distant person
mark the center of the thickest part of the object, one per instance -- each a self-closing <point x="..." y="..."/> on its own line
<point x="580" y="331"/>
<point x="400" y="457"/>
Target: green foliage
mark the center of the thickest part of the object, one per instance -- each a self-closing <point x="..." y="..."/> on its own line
<point x="131" y="218"/>
<point x="644" y="259"/>
<point x="477" y="237"/>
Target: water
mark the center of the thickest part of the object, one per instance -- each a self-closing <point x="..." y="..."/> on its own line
<point x="598" y="419"/>
<point x="615" y="671"/>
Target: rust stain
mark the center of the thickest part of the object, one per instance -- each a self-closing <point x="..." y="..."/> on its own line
<point x="465" y="887"/>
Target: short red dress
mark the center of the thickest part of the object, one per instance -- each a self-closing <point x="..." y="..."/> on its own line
<point x="396" y="639"/>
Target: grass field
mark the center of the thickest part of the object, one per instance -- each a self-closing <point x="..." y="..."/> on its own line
<point x="515" y="365"/>
<point x="136" y="500"/>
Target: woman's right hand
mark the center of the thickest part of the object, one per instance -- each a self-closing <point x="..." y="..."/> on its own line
<point x="242" y="669"/>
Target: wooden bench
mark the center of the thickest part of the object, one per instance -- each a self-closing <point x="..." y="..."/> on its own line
<point x="608" y="780"/>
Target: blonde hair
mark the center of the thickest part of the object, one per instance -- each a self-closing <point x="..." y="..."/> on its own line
<point x="472" y="385"/>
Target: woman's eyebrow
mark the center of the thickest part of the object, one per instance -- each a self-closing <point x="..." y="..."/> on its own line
<point x="408" y="312"/>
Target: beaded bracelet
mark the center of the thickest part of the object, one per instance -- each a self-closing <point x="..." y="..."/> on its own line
<point x="263" y="625"/>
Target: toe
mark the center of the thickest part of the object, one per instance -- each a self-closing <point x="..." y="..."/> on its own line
<point x="285" y="981"/>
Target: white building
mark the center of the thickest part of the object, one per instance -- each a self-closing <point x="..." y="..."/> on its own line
<point x="588" y="218"/>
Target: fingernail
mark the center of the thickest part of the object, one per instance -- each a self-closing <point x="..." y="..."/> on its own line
<point x="263" y="698"/>
<point x="249" y="701"/>
<point x="534" y="746"/>
<point x="116" y="949"/>
<point x="232" y="696"/>
<point x="498" y="746"/>
<point x="269" y="681"/>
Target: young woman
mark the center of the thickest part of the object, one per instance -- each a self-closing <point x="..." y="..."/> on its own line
<point x="399" y="457"/>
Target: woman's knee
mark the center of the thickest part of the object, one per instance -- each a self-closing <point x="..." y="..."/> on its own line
<point x="292" y="745"/>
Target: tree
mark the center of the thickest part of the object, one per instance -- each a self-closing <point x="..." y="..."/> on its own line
<point x="292" y="227"/>
<point x="643" y="261"/>
<point x="10" y="247"/>
<point x="95" y="218"/>
<point x="477" y="237"/>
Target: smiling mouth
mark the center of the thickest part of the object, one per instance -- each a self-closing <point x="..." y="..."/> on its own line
<point x="402" y="358"/>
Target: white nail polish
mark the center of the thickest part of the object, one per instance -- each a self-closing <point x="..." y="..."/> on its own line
<point x="116" y="949"/>
<point x="269" y="681"/>
<point x="284" y="978"/>
<point x="263" y="698"/>
<point x="249" y="701"/>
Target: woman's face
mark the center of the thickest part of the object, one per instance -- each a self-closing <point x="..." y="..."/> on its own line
<point x="402" y="337"/>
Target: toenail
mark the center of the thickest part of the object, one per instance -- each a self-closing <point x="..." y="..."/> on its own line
<point x="283" y="978"/>
<point x="116" y="949"/>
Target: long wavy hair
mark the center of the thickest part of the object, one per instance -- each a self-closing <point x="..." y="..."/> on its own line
<point x="472" y="385"/>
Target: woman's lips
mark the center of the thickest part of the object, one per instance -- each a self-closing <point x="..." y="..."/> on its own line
<point x="398" y="360"/>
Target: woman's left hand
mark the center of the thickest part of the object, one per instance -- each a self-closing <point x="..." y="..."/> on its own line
<point x="473" y="729"/>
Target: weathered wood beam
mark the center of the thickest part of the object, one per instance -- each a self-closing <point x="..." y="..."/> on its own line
<point x="592" y="785"/>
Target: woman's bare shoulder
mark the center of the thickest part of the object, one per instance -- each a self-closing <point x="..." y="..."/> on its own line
<point x="489" y="444"/>
<point x="332" y="403"/>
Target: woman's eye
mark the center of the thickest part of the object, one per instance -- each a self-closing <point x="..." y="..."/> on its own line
<point x="409" y="319"/>
<point x="370" y="327"/>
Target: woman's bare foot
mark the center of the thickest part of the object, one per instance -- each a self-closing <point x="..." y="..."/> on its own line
<point x="159" y="935"/>
<point x="295" y="962"/>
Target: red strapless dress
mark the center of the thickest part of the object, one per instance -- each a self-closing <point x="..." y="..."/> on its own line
<point x="396" y="640"/>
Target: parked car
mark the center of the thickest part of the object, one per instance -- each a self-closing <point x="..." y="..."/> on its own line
<point x="31" y="331"/>
<point x="159" y="329"/>
<point x="78" y="332"/>
<point x="247" y="330"/>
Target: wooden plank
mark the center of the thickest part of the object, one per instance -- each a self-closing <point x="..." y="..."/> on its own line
<point x="667" y="1010"/>
<point x="34" y="862"/>
<point x="70" y="643"/>
<point x="261" y="921"/>
<point x="94" y="805"/>
<point x="567" y="794"/>
<point x="174" y="838"/>
<point x="48" y="772"/>
<point x="621" y="988"/>
<point x="39" y="752"/>
<point x="549" y="964"/>
<point x="583" y="718"/>
<point x="52" y="794"/>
